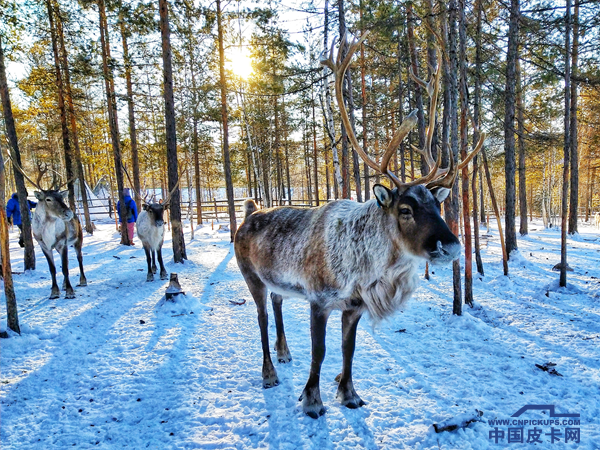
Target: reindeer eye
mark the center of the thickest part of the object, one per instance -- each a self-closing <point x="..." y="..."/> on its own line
<point x="405" y="211"/>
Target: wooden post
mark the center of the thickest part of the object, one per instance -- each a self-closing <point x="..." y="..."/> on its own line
<point x="216" y="210"/>
<point x="496" y="211"/>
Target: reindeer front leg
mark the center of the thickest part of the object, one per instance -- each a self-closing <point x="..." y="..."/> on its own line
<point x="64" y="257"/>
<point x="346" y="393"/>
<point x="311" y="396"/>
<point x="55" y="293"/>
<point x="283" y="352"/>
<point x="150" y="276"/>
<point x="163" y="272"/>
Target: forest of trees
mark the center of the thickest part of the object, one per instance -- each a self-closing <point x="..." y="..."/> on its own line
<point x="148" y="94"/>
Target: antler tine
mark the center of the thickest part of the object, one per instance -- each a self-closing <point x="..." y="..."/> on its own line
<point x="70" y="180"/>
<point x="407" y="124"/>
<point x="478" y="146"/>
<point x="14" y="163"/>
<point x="432" y="175"/>
<point x="447" y="180"/>
<point x="339" y="70"/>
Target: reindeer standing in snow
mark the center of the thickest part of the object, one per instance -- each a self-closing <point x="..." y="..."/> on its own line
<point x="348" y="256"/>
<point x="55" y="226"/>
<point x="151" y="231"/>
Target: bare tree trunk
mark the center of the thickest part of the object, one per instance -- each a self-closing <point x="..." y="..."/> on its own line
<point x="135" y="162"/>
<point x="61" y="106"/>
<point x="179" y="253"/>
<point x="226" y="159"/>
<point x="418" y="98"/>
<point x="345" y="158"/>
<point x="112" y="116"/>
<point x="71" y="108"/>
<point x="567" y="145"/>
<point x="337" y="174"/>
<point x="574" y="200"/>
<point x="476" y="120"/>
<point x="464" y="137"/>
<point x="314" y="133"/>
<point x="509" y="127"/>
<point x="11" y="134"/>
<point x="496" y="211"/>
<point x="522" y="170"/>
<point x="12" y="316"/>
<point x="451" y="205"/>
<point x="363" y="93"/>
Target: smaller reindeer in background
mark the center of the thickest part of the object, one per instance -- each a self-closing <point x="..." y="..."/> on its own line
<point x="55" y="226"/>
<point x="151" y="231"/>
<point x="597" y="220"/>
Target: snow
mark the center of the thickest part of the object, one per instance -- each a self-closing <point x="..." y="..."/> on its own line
<point x="120" y="367"/>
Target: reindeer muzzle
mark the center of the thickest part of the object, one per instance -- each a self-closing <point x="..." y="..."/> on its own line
<point x="159" y="223"/>
<point x="445" y="253"/>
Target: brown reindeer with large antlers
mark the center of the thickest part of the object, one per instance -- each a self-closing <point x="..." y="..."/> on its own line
<point x="357" y="258"/>
<point x="55" y="226"/>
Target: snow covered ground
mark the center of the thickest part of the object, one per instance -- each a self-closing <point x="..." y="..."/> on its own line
<point x="118" y="367"/>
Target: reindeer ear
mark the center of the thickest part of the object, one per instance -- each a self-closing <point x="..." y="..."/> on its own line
<point x="64" y="194"/>
<point x="440" y="193"/>
<point x="384" y="195"/>
<point x="38" y="195"/>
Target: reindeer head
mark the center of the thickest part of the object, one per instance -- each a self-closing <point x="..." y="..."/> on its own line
<point x="155" y="211"/>
<point x="421" y="230"/>
<point x="413" y="207"/>
<point x="53" y="202"/>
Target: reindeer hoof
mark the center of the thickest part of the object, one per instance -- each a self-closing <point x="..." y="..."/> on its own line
<point x="154" y="269"/>
<point x="82" y="283"/>
<point x="349" y="398"/>
<point x="311" y="403"/>
<point x="269" y="383"/>
<point x="54" y="295"/>
<point x="150" y="277"/>
<point x="70" y="294"/>
<point x="164" y="275"/>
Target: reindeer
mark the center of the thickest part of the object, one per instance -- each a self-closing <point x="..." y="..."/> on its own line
<point x="151" y="231"/>
<point x="597" y="220"/>
<point x="357" y="258"/>
<point x="55" y="226"/>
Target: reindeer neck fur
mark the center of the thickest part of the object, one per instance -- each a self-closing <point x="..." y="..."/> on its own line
<point x="49" y="230"/>
<point x="367" y="255"/>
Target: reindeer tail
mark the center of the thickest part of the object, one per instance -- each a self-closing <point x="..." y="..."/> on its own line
<point x="249" y="207"/>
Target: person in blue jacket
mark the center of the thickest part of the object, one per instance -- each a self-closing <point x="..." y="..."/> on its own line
<point x="13" y="214"/>
<point x="132" y="213"/>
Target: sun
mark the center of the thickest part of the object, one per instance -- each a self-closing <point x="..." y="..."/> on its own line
<point x="240" y="64"/>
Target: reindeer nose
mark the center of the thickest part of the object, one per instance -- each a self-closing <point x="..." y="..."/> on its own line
<point x="445" y="253"/>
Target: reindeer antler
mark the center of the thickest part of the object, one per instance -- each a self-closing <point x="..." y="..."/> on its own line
<point x="18" y="167"/>
<point x="436" y="176"/>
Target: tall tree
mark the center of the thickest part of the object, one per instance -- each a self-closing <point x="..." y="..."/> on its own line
<point x="464" y="137"/>
<point x="12" y="316"/>
<point x="179" y="253"/>
<point x="113" y="120"/>
<point x="522" y="169"/>
<point x="566" y="149"/>
<point x="224" y="118"/>
<point x="509" y="126"/>
<point x="11" y="132"/>
<point x="135" y="162"/>
<point x="476" y="124"/>
<point x="574" y="163"/>
<point x="78" y="169"/>
<point x="60" y="91"/>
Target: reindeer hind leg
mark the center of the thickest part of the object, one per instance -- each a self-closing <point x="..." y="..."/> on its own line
<point x="55" y="292"/>
<point x="63" y="250"/>
<point x="82" y="278"/>
<point x="283" y="352"/>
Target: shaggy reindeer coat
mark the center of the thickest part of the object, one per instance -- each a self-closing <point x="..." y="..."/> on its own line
<point x="344" y="255"/>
